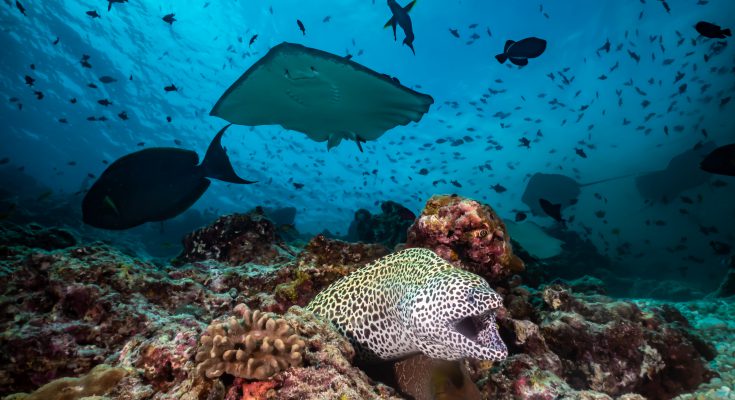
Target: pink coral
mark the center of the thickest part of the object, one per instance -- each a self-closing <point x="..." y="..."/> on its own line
<point x="468" y="234"/>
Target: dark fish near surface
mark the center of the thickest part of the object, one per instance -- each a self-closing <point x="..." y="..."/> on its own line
<point x="712" y="31"/>
<point x="401" y="18"/>
<point x="93" y="14"/>
<point x="154" y="185"/>
<point x="301" y="26"/>
<point x="169" y="18"/>
<point x="519" y="52"/>
<point x="171" y="88"/>
<point x="720" y="161"/>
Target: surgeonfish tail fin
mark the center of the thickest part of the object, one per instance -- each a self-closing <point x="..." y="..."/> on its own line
<point x="501" y="57"/>
<point x="409" y="6"/>
<point x="727" y="32"/>
<point x="216" y="163"/>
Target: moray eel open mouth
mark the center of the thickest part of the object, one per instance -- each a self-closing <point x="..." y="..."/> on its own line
<point x="480" y="329"/>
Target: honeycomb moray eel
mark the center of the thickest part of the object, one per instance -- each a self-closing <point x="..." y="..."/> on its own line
<point x="413" y="301"/>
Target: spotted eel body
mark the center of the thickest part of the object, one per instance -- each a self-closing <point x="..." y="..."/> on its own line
<point x="413" y="301"/>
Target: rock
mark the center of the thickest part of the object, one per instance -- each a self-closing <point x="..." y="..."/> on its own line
<point x="35" y="236"/>
<point x="236" y="239"/>
<point x="467" y="234"/>
<point x="388" y="228"/>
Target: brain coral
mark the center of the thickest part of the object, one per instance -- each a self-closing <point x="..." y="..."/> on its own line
<point x="254" y="346"/>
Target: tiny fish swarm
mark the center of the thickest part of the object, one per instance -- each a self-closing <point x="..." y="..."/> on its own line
<point x="254" y="346"/>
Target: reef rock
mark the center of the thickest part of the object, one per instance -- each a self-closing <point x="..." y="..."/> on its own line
<point x="236" y="239"/>
<point x="592" y="343"/>
<point x="388" y="228"/>
<point x="467" y="234"/>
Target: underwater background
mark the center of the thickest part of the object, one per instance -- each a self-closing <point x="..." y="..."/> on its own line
<point x="622" y="88"/>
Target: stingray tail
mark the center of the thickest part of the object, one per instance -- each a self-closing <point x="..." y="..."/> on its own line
<point x="217" y="164"/>
<point x="606" y="180"/>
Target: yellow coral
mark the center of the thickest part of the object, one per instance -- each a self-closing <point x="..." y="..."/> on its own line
<point x="254" y="346"/>
<point x="100" y="380"/>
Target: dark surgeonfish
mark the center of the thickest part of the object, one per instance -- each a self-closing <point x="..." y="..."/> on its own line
<point x="519" y="52"/>
<point x="401" y="18"/>
<point x="720" y="161"/>
<point x="154" y="185"/>
<point x="712" y="31"/>
<point x="679" y="175"/>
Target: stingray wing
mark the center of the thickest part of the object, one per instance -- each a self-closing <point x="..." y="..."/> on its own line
<point x="319" y="94"/>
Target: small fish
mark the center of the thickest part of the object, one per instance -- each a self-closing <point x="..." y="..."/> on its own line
<point x="107" y="79"/>
<point x="520" y="216"/>
<point x="524" y="142"/>
<point x="519" y="52"/>
<point x="454" y="32"/>
<point x="73" y="100"/>
<point x="252" y="39"/>
<point x="123" y="116"/>
<point x="39" y="94"/>
<point x="720" y="248"/>
<point x="298" y="185"/>
<point x="301" y="26"/>
<point x="92" y="85"/>
<point x="63" y="120"/>
<point x="93" y="14"/>
<point x="55" y="42"/>
<point x="104" y="102"/>
<point x="169" y="18"/>
<point x="455" y="183"/>
<point x="552" y="210"/>
<point x="171" y="88"/>
<point x="498" y="188"/>
<point x="109" y="3"/>
<point x="4" y="160"/>
<point x="580" y="152"/>
<point x="29" y="81"/>
<point x="327" y="18"/>
<point x="401" y="18"/>
<point x="720" y="161"/>
<point x="168" y="118"/>
<point x="711" y="30"/>
<point x="20" y="7"/>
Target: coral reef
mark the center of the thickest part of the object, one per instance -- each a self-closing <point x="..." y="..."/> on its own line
<point x="71" y="308"/>
<point x="592" y="343"/>
<point x="99" y="381"/>
<point x="236" y="239"/>
<point x="468" y="234"/>
<point x="388" y="228"/>
<point x="253" y="346"/>
<point x="34" y="235"/>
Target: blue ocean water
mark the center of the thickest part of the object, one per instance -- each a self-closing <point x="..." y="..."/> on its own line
<point x="630" y="116"/>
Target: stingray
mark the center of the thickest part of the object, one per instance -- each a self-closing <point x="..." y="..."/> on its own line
<point x="680" y="174"/>
<point x="556" y="188"/>
<point x="534" y="240"/>
<point x="325" y="96"/>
